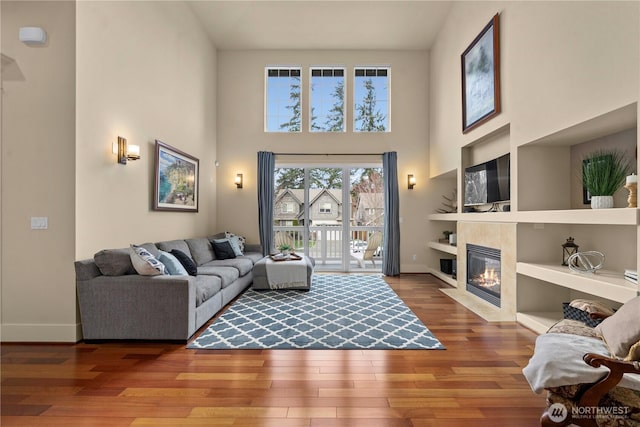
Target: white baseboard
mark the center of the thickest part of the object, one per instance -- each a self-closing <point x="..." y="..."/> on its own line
<point x="27" y="332"/>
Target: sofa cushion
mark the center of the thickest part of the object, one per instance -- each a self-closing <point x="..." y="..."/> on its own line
<point x="227" y="275"/>
<point x="114" y="262"/>
<point x="621" y="330"/>
<point x="171" y="264"/>
<point x="201" y="250"/>
<point x="252" y="256"/>
<point x="223" y="250"/>
<point x="241" y="239"/>
<point x="186" y="262"/>
<point x="180" y="245"/>
<point x="206" y="287"/>
<point x="145" y="263"/>
<point x="243" y="265"/>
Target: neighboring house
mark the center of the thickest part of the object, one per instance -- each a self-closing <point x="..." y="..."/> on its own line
<point x="369" y="209"/>
<point x="325" y="207"/>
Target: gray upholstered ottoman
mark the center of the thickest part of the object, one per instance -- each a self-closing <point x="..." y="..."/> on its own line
<point x="261" y="280"/>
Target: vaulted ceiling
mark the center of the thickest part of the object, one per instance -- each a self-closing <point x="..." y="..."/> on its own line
<point x="322" y="24"/>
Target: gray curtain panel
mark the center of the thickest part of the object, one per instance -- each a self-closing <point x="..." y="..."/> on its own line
<point x="391" y="242"/>
<point x="266" y="169"/>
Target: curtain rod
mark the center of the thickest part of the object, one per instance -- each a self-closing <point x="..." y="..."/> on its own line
<point x="328" y="154"/>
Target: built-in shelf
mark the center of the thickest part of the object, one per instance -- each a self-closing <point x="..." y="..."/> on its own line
<point x="444" y="277"/>
<point x="539" y="321"/>
<point x="606" y="284"/>
<point x="621" y="216"/>
<point x="444" y="247"/>
<point x="616" y="216"/>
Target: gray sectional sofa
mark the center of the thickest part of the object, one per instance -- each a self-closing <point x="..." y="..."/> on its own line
<point x="116" y="303"/>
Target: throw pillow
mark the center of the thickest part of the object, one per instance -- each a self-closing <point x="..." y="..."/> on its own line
<point x="145" y="263"/>
<point x="172" y="265"/>
<point x="186" y="262"/>
<point x="621" y="330"/>
<point x="233" y="241"/>
<point x="241" y="239"/>
<point x="223" y="249"/>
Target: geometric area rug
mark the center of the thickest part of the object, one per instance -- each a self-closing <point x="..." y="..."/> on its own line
<point x="339" y="312"/>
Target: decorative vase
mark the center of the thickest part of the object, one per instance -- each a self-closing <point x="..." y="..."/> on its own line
<point x="601" y="202"/>
<point x="285" y="252"/>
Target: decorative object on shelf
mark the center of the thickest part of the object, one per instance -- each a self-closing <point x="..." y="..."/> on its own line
<point x="604" y="172"/>
<point x="411" y="181"/>
<point x="586" y="262"/>
<point x="632" y="186"/>
<point x="176" y="180"/>
<point x="446" y="235"/>
<point x="568" y="248"/>
<point x="481" y="77"/>
<point x="453" y="239"/>
<point x="450" y="204"/>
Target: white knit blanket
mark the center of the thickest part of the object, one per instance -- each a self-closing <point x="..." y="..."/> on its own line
<point x="287" y="274"/>
<point x="557" y="361"/>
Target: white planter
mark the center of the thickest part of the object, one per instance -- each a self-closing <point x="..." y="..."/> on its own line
<point x="601" y="202"/>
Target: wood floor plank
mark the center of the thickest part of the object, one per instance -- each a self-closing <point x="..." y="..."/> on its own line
<point x="476" y="381"/>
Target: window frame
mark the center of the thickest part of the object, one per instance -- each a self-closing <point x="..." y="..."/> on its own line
<point x="267" y="68"/>
<point x="368" y="68"/>
<point x="344" y="96"/>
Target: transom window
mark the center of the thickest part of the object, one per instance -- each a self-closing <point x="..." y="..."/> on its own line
<point x="327" y="100"/>
<point x="283" y="100"/>
<point x="371" y="99"/>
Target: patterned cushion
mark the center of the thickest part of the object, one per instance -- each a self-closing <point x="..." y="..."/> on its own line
<point x="241" y="239"/>
<point x="145" y="263"/>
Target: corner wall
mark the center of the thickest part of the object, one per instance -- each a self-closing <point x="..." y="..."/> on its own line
<point x="146" y="71"/>
<point x="38" y="179"/>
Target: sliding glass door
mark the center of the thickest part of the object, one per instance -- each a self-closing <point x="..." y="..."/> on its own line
<point x="333" y="214"/>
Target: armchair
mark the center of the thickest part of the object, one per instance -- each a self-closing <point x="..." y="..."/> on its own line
<point x="591" y="375"/>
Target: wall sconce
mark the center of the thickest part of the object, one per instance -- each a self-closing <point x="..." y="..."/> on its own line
<point x="238" y="181"/>
<point x="127" y="152"/>
<point x="411" y="181"/>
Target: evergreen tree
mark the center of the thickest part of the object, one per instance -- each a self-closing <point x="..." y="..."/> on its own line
<point x="289" y="178"/>
<point x="369" y="118"/>
<point x="335" y="119"/>
<point x="294" y="123"/>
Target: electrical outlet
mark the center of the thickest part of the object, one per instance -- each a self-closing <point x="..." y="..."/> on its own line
<point x="414" y="257"/>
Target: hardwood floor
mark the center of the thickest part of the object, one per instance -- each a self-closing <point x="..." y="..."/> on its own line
<point x="476" y="381"/>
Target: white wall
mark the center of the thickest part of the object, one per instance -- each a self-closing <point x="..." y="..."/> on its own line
<point x="38" y="180"/>
<point x="146" y="71"/>
<point x="241" y="135"/>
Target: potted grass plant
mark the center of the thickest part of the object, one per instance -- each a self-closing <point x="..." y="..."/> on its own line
<point x="603" y="173"/>
<point x="285" y="249"/>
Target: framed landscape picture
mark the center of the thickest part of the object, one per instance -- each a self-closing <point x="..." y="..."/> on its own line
<point x="481" y="77"/>
<point x="176" y="180"/>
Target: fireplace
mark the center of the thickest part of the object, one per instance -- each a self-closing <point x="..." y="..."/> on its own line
<point x="483" y="273"/>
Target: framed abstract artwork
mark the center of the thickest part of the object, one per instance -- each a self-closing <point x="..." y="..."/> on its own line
<point x="176" y="180"/>
<point x="481" y="77"/>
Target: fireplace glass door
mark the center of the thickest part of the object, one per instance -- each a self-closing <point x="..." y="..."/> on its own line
<point x="483" y="273"/>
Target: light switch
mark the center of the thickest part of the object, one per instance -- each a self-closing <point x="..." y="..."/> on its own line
<point x="39" y="222"/>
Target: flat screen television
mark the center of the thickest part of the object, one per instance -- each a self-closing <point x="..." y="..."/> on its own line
<point x="487" y="182"/>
